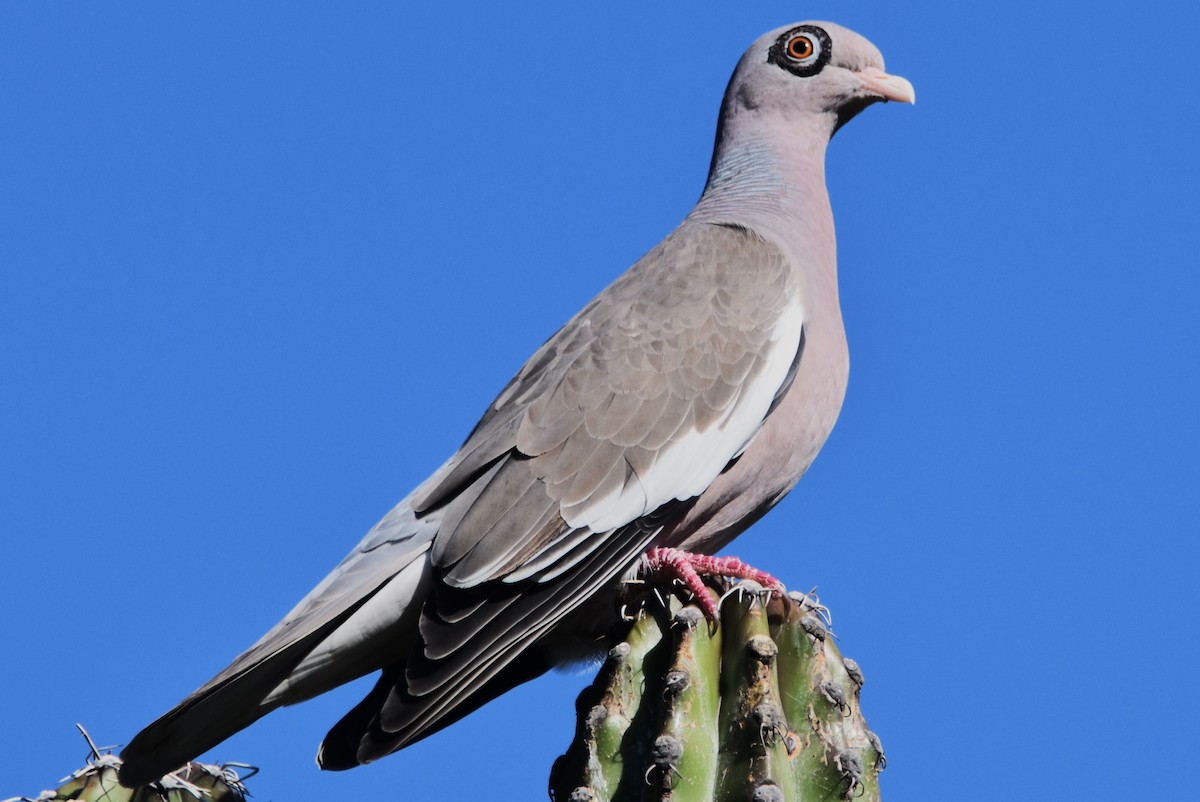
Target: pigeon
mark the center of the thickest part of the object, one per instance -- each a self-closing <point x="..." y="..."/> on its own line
<point x="672" y="412"/>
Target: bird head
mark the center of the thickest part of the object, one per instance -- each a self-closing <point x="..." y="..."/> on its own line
<point x="817" y="72"/>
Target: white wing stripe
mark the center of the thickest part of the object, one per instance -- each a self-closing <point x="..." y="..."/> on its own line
<point x="685" y="467"/>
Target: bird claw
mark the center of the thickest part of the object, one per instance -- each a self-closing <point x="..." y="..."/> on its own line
<point x="687" y="568"/>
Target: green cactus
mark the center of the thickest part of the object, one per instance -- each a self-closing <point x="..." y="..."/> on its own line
<point x="760" y="707"/>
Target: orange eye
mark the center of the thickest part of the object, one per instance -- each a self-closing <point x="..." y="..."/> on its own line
<point x="800" y="47"/>
<point x="803" y="51"/>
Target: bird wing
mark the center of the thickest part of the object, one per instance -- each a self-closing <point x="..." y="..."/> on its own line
<point x="628" y="412"/>
<point x="642" y="398"/>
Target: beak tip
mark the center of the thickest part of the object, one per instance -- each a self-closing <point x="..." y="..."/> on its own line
<point x="900" y="90"/>
<point x="888" y="87"/>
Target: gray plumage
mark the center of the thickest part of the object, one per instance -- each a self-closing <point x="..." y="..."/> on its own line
<point x="674" y="410"/>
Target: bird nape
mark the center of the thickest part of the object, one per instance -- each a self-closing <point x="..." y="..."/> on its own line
<point x="671" y="413"/>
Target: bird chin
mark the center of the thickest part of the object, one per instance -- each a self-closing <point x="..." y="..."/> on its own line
<point x="848" y="111"/>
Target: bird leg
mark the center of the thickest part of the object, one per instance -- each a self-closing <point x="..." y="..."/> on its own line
<point x="669" y="564"/>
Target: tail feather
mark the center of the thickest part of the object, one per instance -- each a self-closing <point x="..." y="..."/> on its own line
<point x="221" y="708"/>
<point x="339" y="750"/>
<point x="359" y="738"/>
<point x="333" y="637"/>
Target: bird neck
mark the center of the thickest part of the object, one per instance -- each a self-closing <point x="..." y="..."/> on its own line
<point x="775" y="186"/>
<point x="770" y="185"/>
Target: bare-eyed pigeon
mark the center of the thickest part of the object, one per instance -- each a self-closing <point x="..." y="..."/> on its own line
<point x="672" y="412"/>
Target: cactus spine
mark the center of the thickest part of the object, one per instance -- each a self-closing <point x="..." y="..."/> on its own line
<point x="761" y="707"/>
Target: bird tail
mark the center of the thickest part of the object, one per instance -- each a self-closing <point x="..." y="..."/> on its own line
<point x="229" y="703"/>
<point x="360" y="737"/>
<point x="361" y="618"/>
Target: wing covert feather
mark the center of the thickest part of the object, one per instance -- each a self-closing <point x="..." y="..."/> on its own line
<point x="670" y="370"/>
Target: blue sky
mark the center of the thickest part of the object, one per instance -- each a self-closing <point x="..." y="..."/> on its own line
<point x="263" y="264"/>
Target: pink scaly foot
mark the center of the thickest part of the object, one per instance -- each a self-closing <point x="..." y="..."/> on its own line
<point x="687" y="568"/>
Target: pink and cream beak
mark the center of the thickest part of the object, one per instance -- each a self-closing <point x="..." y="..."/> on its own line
<point x="888" y="87"/>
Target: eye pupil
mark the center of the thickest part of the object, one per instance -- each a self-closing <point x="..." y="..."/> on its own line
<point x="801" y="47"/>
